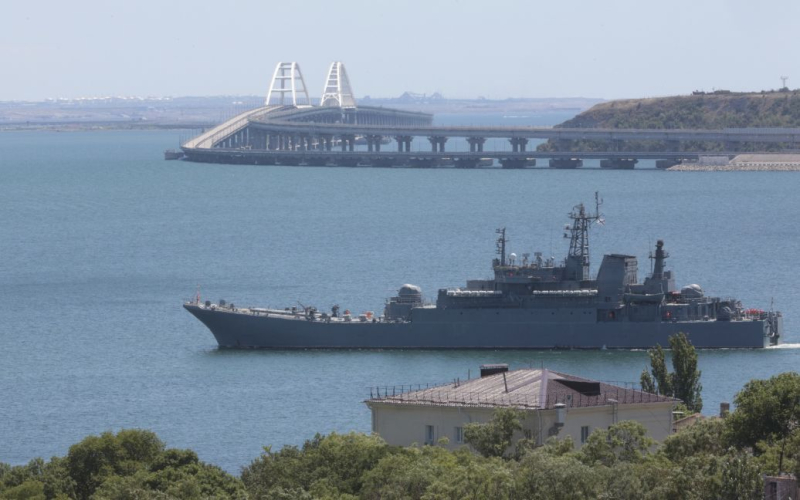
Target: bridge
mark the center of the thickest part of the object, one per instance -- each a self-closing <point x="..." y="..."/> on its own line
<point x="290" y="130"/>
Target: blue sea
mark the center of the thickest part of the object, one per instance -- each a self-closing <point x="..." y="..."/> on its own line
<point x="101" y="240"/>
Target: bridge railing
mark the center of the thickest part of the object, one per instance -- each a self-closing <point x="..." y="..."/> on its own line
<point x="226" y="129"/>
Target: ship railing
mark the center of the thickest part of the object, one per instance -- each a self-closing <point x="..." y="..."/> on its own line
<point x="449" y="396"/>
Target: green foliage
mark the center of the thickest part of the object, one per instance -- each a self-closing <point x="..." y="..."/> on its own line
<point x="52" y="476"/>
<point x="131" y="464"/>
<point x="335" y="462"/>
<point x="705" y="437"/>
<point x="97" y="458"/>
<point x="493" y="439"/>
<point x="704" y="460"/>
<point x="741" y="477"/>
<point x="553" y="477"/>
<point x="710" y="111"/>
<point x="29" y="490"/>
<point x="626" y="441"/>
<point x="662" y="379"/>
<point x="766" y="410"/>
<point x="684" y="382"/>
<point x="686" y="377"/>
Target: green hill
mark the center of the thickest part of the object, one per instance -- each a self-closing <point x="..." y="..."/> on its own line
<point x="716" y="110"/>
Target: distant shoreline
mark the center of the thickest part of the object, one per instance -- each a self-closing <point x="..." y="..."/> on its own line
<point x="766" y="162"/>
<point x="99" y="126"/>
<point x="207" y="112"/>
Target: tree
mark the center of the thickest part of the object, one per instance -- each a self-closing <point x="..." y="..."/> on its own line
<point x="493" y="438"/>
<point x="332" y="465"/>
<point x="626" y="441"/>
<point x="705" y="436"/>
<point x="661" y="381"/>
<point x="766" y="410"/>
<point x="96" y="458"/>
<point x="684" y="382"/>
<point x="686" y="377"/>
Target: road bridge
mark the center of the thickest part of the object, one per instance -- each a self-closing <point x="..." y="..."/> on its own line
<point x="289" y="130"/>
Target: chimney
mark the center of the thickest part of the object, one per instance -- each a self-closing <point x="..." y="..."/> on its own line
<point x="724" y="409"/>
<point x="487" y="370"/>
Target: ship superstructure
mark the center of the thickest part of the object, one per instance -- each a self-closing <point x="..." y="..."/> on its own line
<point x="528" y="304"/>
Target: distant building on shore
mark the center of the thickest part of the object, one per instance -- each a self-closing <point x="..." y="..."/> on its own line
<point x="555" y="404"/>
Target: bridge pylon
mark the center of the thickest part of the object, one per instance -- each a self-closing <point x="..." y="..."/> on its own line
<point x="338" y="91"/>
<point x="288" y="79"/>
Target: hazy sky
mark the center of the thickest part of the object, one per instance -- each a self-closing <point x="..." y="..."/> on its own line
<point x="462" y="48"/>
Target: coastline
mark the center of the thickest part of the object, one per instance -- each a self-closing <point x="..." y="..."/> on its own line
<point x="747" y="163"/>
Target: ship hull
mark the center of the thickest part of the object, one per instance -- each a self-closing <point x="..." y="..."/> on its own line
<point x="473" y="329"/>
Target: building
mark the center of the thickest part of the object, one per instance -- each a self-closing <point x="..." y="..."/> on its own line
<point x="555" y="404"/>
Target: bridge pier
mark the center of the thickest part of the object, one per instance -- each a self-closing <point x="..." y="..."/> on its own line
<point x="619" y="163"/>
<point x="566" y="162"/>
<point x="348" y="142"/>
<point x="373" y="143"/>
<point x="304" y="142"/>
<point x="437" y="143"/>
<point x="476" y="144"/>
<point x="466" y="162"/>
<point x="514" y="162"/>
<point x="324" y="142"/>
<point x="403" y="143"/>
<point x="518" y="144"/>
<point x="423" y="162"/>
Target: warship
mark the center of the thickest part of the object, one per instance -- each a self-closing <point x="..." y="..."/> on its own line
<point x="531" y="303"/>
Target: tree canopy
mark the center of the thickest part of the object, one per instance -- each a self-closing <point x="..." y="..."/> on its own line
<point x="684" y="381"/>
<point x="711" y="459"/>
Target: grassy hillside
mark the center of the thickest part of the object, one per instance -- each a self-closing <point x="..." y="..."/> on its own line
<point x="703" y="111"/>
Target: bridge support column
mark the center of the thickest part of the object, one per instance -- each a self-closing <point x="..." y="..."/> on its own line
<point x="566" y="163"/>
<point x="348" y="142"/>
<point x="514" y="162"/>
<point x="619" y="163"/>
<point x="518" y="144"/>
<point x="325" y="142"/>
<point x="373" y="143"/>
<point x="437" y="143"/>
<point x="476" y="144"/>
<point x="403" y="143"/>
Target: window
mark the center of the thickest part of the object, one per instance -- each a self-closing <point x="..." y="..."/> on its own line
<point x="428" y="434"/>
<point x="584" y="433"/>
<point x="459" y="435"/>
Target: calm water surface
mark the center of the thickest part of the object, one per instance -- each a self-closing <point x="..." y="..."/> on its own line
<point x="101" y="240"/>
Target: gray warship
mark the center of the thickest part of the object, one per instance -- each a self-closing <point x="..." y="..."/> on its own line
<point x="530" y="304"/>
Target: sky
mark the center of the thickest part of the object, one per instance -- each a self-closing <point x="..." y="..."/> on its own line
<point x="461" y="48"/>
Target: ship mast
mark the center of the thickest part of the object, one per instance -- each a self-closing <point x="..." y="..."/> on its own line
<point x="578" y="257"/>
<point x="501" y="245"/>
<point x="658" y="260"/>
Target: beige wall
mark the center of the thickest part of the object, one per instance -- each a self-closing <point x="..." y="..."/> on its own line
<point x="405" y="424"/>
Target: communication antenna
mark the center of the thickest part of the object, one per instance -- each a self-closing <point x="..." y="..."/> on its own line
<point x="783" y="79"/>
<point x="501" y="245"/>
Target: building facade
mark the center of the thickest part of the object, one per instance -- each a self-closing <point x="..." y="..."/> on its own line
<point x="554" y="404"/>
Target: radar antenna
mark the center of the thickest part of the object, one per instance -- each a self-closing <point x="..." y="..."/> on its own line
<point x="578" y="256"/>
<point x="501" y="245"/>
<point x="783" y="79"/>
